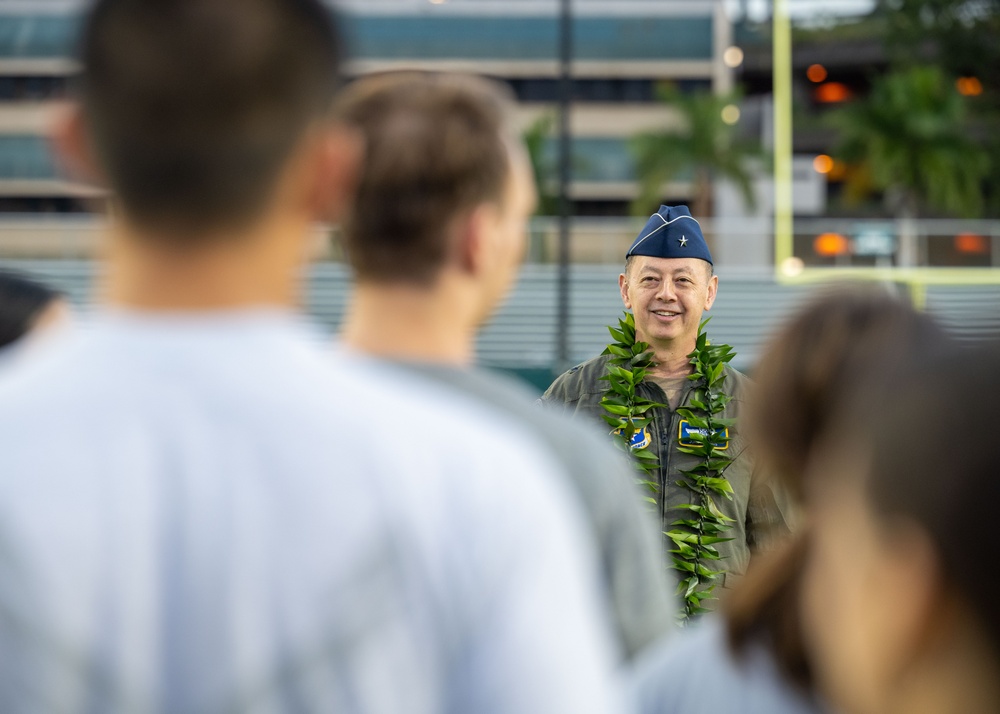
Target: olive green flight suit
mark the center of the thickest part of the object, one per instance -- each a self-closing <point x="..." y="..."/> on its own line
<point x="754" y="508"/>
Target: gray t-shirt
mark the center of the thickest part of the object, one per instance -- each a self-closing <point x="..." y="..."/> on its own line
<point x="629" y="547"/>
<point x="696" y="673"/>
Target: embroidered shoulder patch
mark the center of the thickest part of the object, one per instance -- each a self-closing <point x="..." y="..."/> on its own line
<point x="685" y="430"/>
<point x="640" y="439"/>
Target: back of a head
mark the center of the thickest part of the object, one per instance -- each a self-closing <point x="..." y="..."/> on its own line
<point x="435" y="146"/>
<point x="22" y="301"/>
<point x="933" y="462"/>
<point x="803" y="374"/>
<point x="899" y="594"/>
<point x="806" y="377"/>
<point x="194" y="106"/>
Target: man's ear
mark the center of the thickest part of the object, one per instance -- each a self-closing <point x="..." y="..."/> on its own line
<point x="623" y="289"/>
<point x="713" y="288"/>
<point x="470" y="239"/>
<point x="338" y="163"/>
<point x="73" y="148"/>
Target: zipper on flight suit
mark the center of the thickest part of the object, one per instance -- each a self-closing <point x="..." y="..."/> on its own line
<point x="656" y="394"/>
<point x="666" y="440"/>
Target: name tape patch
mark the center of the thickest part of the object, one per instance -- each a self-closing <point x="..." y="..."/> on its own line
<point x="685" y="430"/>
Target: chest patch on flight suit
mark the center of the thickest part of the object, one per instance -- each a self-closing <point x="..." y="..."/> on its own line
<point x="640" y="439"/>
<point x="685" y="430"/>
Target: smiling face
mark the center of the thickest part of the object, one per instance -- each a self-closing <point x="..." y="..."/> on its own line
<point x="668" y="297"/>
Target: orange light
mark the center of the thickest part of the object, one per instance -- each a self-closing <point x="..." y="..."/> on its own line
<point x="830" y="245"/>
<point x="969" y="86"/>
<point x="972" y="244"/>
<point x="816" y="73"/>
<point x="823" y="164"/>
<point x="832" y="92"/>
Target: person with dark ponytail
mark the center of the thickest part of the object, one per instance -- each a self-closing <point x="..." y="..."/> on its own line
<point x="27" y="305"/>
<point x="899" y="598"/>
<point x="751" y="658"/>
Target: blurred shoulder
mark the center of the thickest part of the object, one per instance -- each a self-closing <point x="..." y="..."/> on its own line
<point x="42" y="375"/>
<point x="578" y="382"/>
<point x="696" y="671"/>
<point x="737" y="384"/>
<point x="462" y="418"/>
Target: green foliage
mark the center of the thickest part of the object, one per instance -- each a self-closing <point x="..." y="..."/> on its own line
<point x="703" y="145"/>
<point x="910" y="138"/>
<point x="958" y="35"/>
<point x="627" y="411"/>
<point x="694" y="537"/>
<point x="536" y="140"/>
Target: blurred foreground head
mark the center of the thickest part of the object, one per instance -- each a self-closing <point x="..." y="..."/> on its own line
<point x="26" y="306"/>
<point x="900" y="595"/>
<point x="847" y="334"/>
<point x="192" y="110"/>
<point x="446" y="189"/>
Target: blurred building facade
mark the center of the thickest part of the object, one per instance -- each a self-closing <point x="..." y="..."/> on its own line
<point x="844" y="220"/>
<point x="623" y="51"/>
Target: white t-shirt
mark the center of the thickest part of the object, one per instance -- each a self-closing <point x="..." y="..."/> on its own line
<point x="213" y="513"/>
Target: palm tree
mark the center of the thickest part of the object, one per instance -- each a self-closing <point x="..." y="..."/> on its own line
<point x="910" y="135"/>
<point x="537" y="138"/>
<point x="704" y="146"/>
<point x="958" y="35"/>
<point x="909" y="139"/>
<point x="538" y="141"/>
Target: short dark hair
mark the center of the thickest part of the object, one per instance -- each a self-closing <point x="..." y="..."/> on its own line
<point x="194" y="106"/>
<point x="22" y="301"/>
<point x="435" y="144"/>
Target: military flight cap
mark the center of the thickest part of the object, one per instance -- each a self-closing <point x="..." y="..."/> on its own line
<point x="671" y="232"/>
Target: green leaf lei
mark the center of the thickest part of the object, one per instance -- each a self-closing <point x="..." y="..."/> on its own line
<point x="693" y="538"/>
<point x="626" y="411"/>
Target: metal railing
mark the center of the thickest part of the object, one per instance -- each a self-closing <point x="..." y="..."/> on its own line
<point x="938" y="243"/>
<point x="523" y="333"/>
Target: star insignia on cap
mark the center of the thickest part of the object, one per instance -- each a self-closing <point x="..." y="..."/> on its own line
<point x="683" y="241"/>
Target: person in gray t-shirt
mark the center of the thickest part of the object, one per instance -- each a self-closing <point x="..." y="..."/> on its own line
<point x="626" y="534"/>
<point x="434" y="236"/>
<point x="698" y="672"/>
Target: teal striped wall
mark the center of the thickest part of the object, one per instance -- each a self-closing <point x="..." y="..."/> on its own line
<point x="27" y="157"/>
<point x="442" y="37"/>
